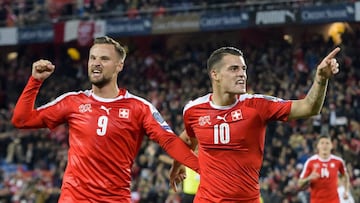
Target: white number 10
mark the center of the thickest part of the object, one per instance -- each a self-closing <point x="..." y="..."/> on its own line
<point x="221" y="133"/>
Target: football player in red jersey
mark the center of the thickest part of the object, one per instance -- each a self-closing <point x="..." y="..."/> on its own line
<point x="321" y="173"/>
<point x="228" y="126"/>
<point x="106" y="127"/>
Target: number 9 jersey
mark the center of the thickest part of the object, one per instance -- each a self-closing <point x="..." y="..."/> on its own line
<point x="104" y="138"/>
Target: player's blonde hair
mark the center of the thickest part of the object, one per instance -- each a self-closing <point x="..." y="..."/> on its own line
<point x="118" y="47"/>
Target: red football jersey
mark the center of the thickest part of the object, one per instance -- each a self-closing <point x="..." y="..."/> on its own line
<point x="104" y="137"/>
<point x="231" y="144"/>
<point x="324" y="189"/>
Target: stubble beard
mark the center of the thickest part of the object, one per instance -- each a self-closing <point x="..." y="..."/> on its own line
<point x="101" y="82"/>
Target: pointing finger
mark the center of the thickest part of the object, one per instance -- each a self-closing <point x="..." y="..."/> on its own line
<point x="333" y="53"/>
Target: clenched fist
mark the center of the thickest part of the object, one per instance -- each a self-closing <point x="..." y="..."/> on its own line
<point x="42" y="69"/>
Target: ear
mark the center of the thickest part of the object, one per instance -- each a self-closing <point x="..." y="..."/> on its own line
<point x="120" y="66"/>
<point x="214" y="75"/>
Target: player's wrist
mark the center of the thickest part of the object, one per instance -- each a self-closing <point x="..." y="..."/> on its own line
<point x="322" y="82"/>
<point x="35" y="80"/>
<point x="176" y="164"/>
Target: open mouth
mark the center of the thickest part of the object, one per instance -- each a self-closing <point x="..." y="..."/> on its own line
<point x="240" y="82"/>
<point x="96" y="72"/>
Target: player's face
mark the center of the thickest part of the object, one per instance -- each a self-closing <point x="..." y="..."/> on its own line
<point x="324" y="146"/>
<point x="230" y="74"/>
<point x="104" y="64"/>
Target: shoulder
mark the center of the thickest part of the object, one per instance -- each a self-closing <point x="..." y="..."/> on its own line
<point x="263" y="97"/>
<point x="136" y="98"/>
<point x="198" y="101"/>
<point x="75" y="94"/>
<point x="65" y="96"/>
<point x="312" y="158"/>
<point x="337" y="158"/>
<point x="140" y="102"/>
<point x="309" y="163"/>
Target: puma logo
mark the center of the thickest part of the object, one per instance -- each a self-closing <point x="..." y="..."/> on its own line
<point x="222" y="117"/>
<point x="105" y="109"/>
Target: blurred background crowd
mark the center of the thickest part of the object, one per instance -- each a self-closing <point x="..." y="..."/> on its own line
<point x="30" y="12"/>
<point x="169" y="71"/>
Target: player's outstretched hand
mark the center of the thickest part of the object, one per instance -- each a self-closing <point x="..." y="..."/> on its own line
<point x="42" y="69"/>
<point x="328" y="66"/>
<point x="177" y="175"/>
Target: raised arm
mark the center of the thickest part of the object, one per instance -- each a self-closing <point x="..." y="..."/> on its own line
<point x="314" y="100"/>
<point x="25" y="116"/>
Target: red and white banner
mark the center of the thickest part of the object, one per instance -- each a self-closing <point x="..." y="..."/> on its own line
<point x="82" y="31"/>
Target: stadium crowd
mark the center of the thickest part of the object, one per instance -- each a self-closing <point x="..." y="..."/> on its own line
<point x="32" y="12"/>
<point x="33" y="161"/>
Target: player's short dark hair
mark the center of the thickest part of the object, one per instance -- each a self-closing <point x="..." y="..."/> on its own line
<point x="108" y="40"/>
<point x="321" y="137"/>
<point x="218" y="54"/>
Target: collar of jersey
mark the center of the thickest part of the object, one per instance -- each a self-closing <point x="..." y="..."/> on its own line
<point x="222" y="107"/>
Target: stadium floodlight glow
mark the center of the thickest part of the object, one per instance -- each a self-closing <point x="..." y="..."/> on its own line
<point x="12" y="56"/>
<point x="335" y="31"/>
<point x="288" y="38"/>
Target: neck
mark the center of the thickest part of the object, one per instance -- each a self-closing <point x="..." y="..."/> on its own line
<point x="324" y="155"/>
<point x="221" y="99"/>
<point x="109" y="91"/>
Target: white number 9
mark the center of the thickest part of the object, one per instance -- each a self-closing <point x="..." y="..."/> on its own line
<point x="102" y="124"/>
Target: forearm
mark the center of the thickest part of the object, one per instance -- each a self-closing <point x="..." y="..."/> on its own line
<point x="182" y="154"/>
<point x="314" y="100"/>
<point x="316" y="95"/>
<point x="187" y="140"/>
<point x="347" y="182"/>
<point x="311" y="105"/>
<point x="24" y="115"/>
